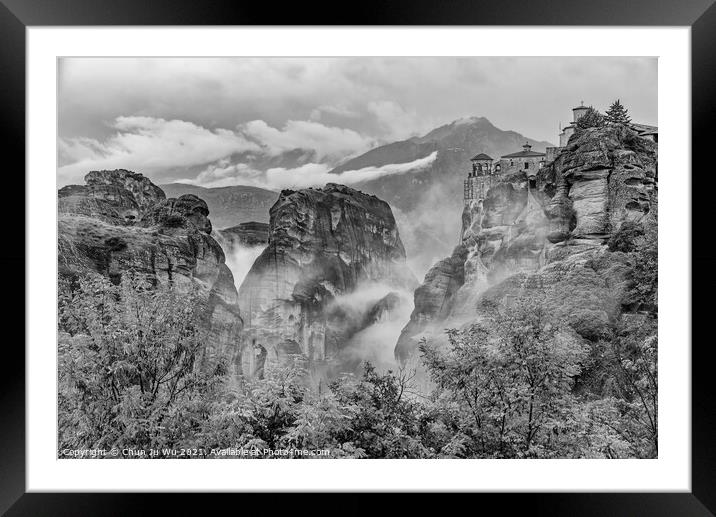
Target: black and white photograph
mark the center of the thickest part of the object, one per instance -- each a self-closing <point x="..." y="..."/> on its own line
<point x="357" y="257"/>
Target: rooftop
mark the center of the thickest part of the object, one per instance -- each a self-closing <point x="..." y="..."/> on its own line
<point x="481" y="156"/>
<point x="644" y="128"/>
<point x="526" y="152"/>
<point x="523" y="154"/>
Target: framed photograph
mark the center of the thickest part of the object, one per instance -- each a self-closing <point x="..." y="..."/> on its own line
<point x="419" y="249"/>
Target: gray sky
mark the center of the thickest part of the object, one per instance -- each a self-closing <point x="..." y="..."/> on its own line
<point x="222" y="121"/>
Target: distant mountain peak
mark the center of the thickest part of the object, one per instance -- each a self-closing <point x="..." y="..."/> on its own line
<point x="470" y="120"/>
<point x="469" y="123"/>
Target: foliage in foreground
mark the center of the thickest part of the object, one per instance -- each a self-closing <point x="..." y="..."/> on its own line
<point x="508" y="387"/>
<point x="127" y="371"/>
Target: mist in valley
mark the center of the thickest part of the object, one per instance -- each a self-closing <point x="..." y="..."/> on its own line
<point x="429" y="230"/>
<point x="383" y="311"/>
<point x="239" y="257"/>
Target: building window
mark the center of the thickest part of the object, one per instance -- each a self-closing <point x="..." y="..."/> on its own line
<point x="527" y="165"/>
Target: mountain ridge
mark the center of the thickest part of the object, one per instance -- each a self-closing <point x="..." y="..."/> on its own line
<point x="231" y="205"/>
<point x="448" y="135"/>
<point x="428" y="202"/>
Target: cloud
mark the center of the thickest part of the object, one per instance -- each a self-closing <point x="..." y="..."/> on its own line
<point x="239" y="258"/>
<point x="223" y="173"/>
<point x="339" y="111"/>
<point x="158" y="146"/>
<point x="327" y="142"/>
<point x="332" y="105"/>
<point x="314" y="174"/>
<point x="429" y="229"/>
<point x="375" y="343"/>
<point x="397" y="122"/>
<point x="225" y="92"/>
<point x="149" y="145"/>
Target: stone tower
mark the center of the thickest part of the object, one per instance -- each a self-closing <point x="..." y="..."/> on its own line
<point x="568" y="130"/>
<point x="479" y="178"/>
<point x="579" y="112"/>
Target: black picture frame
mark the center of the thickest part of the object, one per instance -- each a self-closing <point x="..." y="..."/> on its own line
<point x="700" y="15"/>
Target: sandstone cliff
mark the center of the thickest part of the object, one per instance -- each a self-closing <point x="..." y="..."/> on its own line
<point x="119" y="221"/>
<point x="546" y="235"/>
<point x="333" y="258"/>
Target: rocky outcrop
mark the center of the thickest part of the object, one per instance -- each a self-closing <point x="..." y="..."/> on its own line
<point x="603" y="178"/>
<point x="551" y="235"/>
<point x="313" y="287"/>
<point x="501" y="235"/>
<point x="434" y="299"/>
<point x="186" y="211"/>
<point x="119" y="222"/>
<point x="117" y="196"/>
<point x="583" y="284"/>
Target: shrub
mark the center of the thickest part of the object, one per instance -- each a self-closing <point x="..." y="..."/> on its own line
<point x="591" y="118"/>
<point x="127" y="375"/>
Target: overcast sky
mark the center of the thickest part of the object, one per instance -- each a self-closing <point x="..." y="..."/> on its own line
<point x="197" y="119"/>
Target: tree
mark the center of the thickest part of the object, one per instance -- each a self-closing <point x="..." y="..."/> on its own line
<point x="370" y="416"/>
<point x="258" y="413"/>
<point x="630" y="408"/>
<point x="591" y="118"/>
<point x="127" y="375"/>
<point x="645" y="273"/>
<point x="617" y="114"/>
<point x="637" y="354"/>
<point x="382" y="419"/>
<point x="513" y="378"/>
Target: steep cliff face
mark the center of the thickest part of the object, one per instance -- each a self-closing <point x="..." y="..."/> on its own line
<point x="119" y="222"/>
<point x="546" y="234"/>
<point x="603" y="178"/>
<point x="333" y="257"/>
<point x="433" y="300"/>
